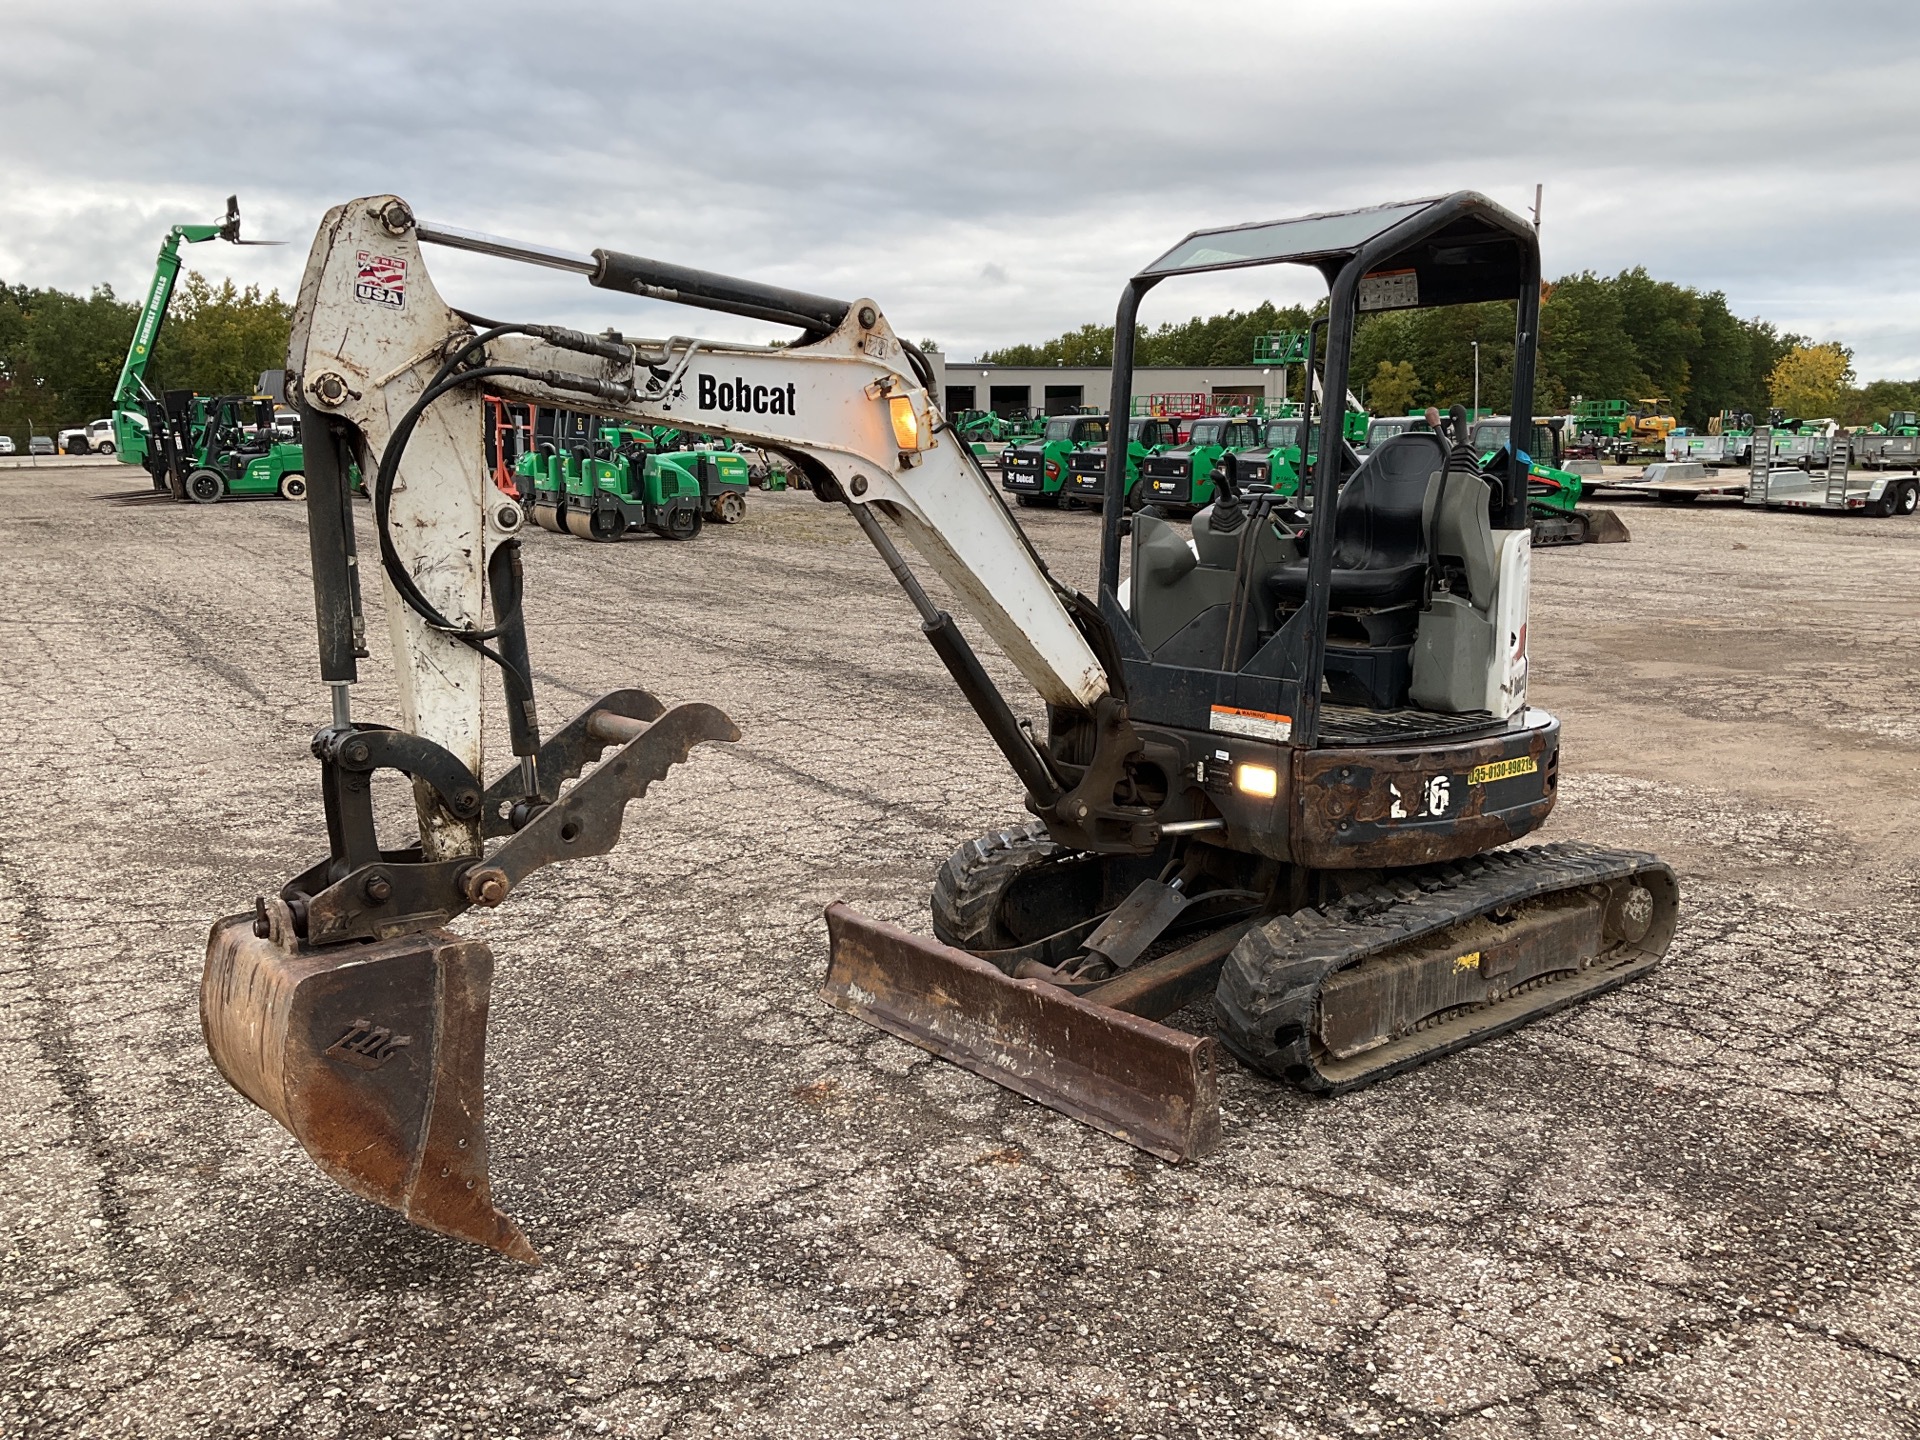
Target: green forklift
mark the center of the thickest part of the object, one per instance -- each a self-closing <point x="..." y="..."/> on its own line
<point x="1036" y="472"/>
<point x="1086" y="482"/>
<point x="245" y="450"/>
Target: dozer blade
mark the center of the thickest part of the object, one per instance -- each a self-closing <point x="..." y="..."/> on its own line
<point x="372" y="1057"/>
<point x="1147" y="1084"/>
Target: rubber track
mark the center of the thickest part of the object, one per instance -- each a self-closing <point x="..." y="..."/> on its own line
<point x="967" y="891"/>
<point x="1266" y="1002"/>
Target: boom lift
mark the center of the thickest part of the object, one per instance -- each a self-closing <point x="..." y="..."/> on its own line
<point x="1300" y="745"/>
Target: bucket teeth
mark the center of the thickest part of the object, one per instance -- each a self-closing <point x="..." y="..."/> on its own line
<point x="373" y="1058"/>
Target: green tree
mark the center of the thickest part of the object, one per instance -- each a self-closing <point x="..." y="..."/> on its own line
<point x="1392" y="388"/>
<point x="218" y="341"/>
<point x="1584" y="346"/>
<point x="1874" y="401"/>
<point x="59" y="356"/>
<point x="1811" y="381"/>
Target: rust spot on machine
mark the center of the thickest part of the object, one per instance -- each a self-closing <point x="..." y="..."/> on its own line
<point x="1145" y="1083"/>
<point x="1425" y="804"/>
<point x="372" y="1056"/>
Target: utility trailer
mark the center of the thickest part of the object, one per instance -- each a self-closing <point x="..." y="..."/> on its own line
<point x="1767" y="482"/>
<point x="1675" y="482"/>
<point x="1834" y="487"/>
<point x="1897" y="446"/>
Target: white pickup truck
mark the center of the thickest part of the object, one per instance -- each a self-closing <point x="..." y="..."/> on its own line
<point x="93" y="438"/>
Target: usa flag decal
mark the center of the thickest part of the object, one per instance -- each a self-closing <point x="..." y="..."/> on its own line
<point x="382" y="281"/>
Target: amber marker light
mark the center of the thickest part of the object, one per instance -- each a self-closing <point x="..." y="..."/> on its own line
<point x="906" y="423"/>
<point x="1261" y="780"/>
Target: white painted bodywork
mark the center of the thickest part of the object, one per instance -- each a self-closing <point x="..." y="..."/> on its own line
<point x="447" y="518"/>
<point x="1507" y="669"/>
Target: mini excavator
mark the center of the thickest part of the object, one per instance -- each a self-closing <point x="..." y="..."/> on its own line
<point x="1278" y="766"/>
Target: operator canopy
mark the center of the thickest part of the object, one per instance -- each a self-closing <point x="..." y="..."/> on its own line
<point x="1443" y="250"/>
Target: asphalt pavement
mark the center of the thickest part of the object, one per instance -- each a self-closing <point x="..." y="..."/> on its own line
<point x="1685" y="1210"/>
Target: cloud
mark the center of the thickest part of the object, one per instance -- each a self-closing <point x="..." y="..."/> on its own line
<point x="990" y="173"/>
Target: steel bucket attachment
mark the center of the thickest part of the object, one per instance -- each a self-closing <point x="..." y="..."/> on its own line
<point x="372" y="1056"/>
<point x="1145" y="1083"/>
<point x="1605" y="527"/>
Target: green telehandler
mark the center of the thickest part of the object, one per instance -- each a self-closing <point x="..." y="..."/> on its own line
<point x="161" y="434"/>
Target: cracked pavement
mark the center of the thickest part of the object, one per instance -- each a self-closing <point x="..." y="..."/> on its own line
<point x="1686" y="1210"/>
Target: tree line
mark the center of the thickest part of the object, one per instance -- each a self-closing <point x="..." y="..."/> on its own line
<point x="60" y="354"/>
<point x="1620" y="337"/>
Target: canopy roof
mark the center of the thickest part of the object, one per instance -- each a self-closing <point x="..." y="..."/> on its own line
<point x="1450" y="249"/>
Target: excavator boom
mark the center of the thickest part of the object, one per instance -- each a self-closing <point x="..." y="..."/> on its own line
<point x="341" y="1005"/>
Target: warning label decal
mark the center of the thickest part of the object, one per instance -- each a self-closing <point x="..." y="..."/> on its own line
<point x="1254" y="724"/>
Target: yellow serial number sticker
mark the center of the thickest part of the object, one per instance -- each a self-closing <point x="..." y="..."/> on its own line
<point x="1502" y="770"/>
<point x="1467" y="962"/>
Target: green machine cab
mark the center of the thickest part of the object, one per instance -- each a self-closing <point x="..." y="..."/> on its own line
<point x="1036" y="472"/>
<point x="1276" y="464"/>
<point x="1183" y="477"/>
<point x="1087" y="467"/>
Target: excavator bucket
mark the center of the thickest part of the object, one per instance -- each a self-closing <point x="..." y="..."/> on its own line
<point x="372" y="1057"/>
<point x="1147" y="1084"/>
<point x="1604" y="527"/>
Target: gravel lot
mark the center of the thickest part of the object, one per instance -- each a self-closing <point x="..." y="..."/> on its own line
<point x="1686" y="1210"/>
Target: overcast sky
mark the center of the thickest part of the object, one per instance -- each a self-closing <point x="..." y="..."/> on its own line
<point x="989" y="173"/>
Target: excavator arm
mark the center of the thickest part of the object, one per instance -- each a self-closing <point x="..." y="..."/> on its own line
<point x="340" y="1004"/>
<point x="371" y="334"/>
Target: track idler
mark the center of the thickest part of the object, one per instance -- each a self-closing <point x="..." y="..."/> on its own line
<point x="372" y="1056"/>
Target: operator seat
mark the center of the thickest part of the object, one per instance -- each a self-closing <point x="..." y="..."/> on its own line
<point x="1379" y="578"/>
<point x="1379" y="532"/>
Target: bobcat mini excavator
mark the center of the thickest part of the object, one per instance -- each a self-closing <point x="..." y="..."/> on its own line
<point x="1277" y="761"/>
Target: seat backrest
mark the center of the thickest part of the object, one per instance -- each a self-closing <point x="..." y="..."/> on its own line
<point x="1463" y="534"/>
<point x="1378" y="522"/>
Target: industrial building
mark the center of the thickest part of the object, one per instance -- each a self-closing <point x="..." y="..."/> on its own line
<point x="1060" y="390"/>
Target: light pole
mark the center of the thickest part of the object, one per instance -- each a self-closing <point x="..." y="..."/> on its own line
<point x="1476" y="379"/>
